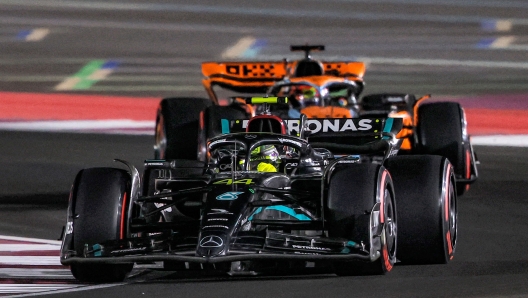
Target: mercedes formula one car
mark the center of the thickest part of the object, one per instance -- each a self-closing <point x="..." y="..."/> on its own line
<point x="270" y="193"/>
<point x="317" y="89"/>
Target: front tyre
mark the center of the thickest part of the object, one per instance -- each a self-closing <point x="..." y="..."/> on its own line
<point x="99" y="212"/>
<point x="362" y="207"/>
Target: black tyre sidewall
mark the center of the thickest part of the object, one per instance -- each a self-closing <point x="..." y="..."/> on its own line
<point x="352" y="194"/>
<point x="422" y="208"/>
<point x="96" y="207"/>
<point x="180" y="120"/>
<point x="212" y="127"/>
<point x="439" y="132"/>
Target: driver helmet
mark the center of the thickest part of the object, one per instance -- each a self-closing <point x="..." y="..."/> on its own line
<point x="307" y="96"/>
<point x="265" y="159"/>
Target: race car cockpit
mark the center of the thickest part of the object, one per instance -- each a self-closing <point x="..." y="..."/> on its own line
<point x="329" y="98"/>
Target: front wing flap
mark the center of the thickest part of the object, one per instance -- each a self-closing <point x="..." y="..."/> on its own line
<point x="272" y="245"/>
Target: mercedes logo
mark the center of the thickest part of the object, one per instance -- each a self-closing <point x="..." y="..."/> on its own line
<point x="211" y="241"/>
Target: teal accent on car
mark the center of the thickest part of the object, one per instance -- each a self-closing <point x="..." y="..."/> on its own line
<point x="351" y="243"/>
<point x="388" y="126"/>
<point x="225" y="126"/>
<point x="97" y="250"/>
<point x="347" y="245"/>
<point x="259" y="209"/>
<point x="283" y="209"/>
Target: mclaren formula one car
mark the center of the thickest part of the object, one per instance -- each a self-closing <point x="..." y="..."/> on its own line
<point x="317" y="89"/>
<point x="270" y="193"/>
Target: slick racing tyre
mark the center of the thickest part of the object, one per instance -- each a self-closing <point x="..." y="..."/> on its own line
<point x="427" y="208"/>
<point x="176" y="133"/>
<point x="353" y="195"/>
<point x="212" y="124"/>
<point x="96" y="206"/>
<point x="440" y="131"/>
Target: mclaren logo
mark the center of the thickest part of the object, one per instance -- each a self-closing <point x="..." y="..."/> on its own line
<point x="211" y="241"/>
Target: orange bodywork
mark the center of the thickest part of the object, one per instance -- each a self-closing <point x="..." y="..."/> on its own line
<point x="409" y="122"/>
<point x="256" y="77"/>
<point x="407" y="130"/>
<point x="326" y="112"/>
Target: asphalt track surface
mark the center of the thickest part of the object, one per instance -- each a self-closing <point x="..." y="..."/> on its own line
<point x="452" y="49"/>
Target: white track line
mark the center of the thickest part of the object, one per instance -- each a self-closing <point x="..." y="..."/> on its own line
<point x="501" y="140"/>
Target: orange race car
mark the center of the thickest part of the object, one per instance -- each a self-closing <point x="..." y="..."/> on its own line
<point x="318" y="89"/>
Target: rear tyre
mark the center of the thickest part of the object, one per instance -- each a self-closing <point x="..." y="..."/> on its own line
<point x="427" y="208"/>
<point x="440" y="129"/>
<point x="97" y="206"/>
<point x="352" y="195"/>
<point x="212" y="120"/>
<point x="176" y="133"/>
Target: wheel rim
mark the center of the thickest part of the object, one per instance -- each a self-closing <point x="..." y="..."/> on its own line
<point x="390" y="227"/>
<point x="452" y="228"/>
<point x="160" y="142"/>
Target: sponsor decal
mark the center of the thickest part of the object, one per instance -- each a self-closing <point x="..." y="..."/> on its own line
<point x="338" y="125"/>
<point x="293" y="125"/>
<point x="154" y="164"/>
<point x="311" y="247"/>
<point x="218" y="219"/>
<point x="319" y="125"/>
<point x="250" y="137"/>
<point x="219" y="211"/>
<point x="291" y="165"/>
<point x="231" y="181"/>
<point x="229" y="196"/>
<point x="282" y="140"/>
<point x="216" y="226"/>
<point x="217" y="142"/>
<point x="211" y="241"/>
<point x="129" y="250"/>
<point x="348" y="161"/>
<point x="251" y="70"/>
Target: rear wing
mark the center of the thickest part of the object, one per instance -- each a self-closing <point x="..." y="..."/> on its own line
<point x="341" y="135"/>
<point x="329" y="128"/>
<point x="242" y="77"/>
<point x="257" y="77"/>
